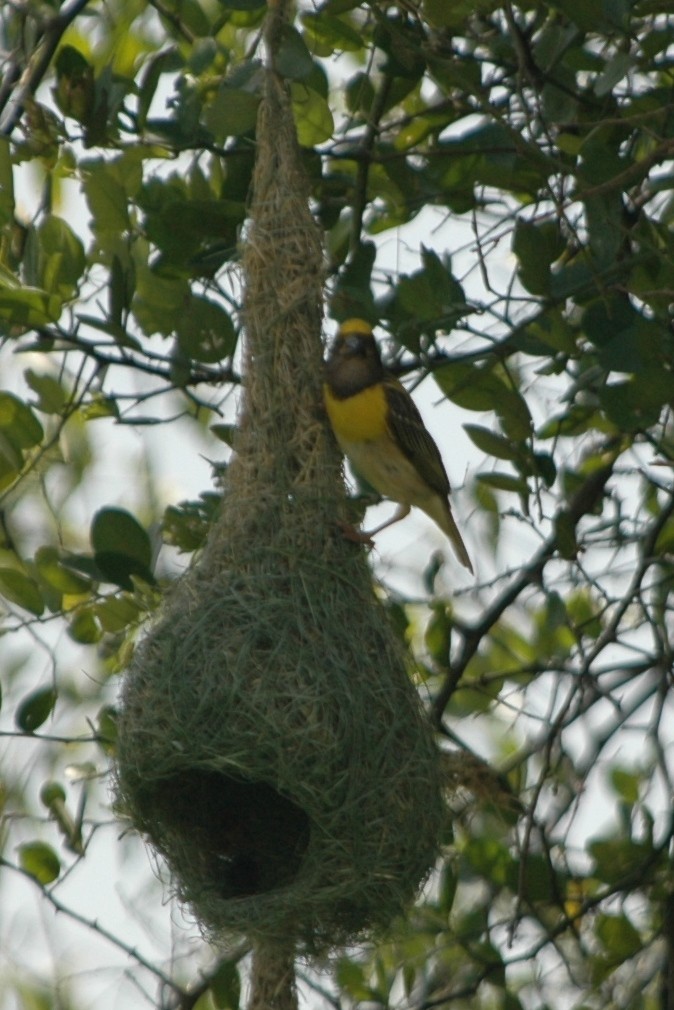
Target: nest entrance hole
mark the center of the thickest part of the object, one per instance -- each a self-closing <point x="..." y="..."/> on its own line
<point x="247" y="834"/>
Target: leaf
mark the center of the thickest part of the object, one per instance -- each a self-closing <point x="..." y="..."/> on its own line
<point x="313" y="117"/>
<point x="232" y="112"/>
<point x="187" y="524"/>
<point x="627" y="784"/>
<point x="619" y="936"/>
<point x="51" y="394"/>
<point x="6" y="183"/>
<point x="359" y="93"/>
<point x="107" y="199"/>
<point x="83" y="627"/>
<point x="40" y="861"/>
<point x="116" y="613"/>
<point x="18" y="422"/>
<point x="491" y="443"/>
<point x="165" y="62"/>
<point x="537" y="246"/>
<point x="28" y="306"/>
<point x="629" y="406"/>
<point x="205" y="331"/>
<point x="62" y="257"/>
<point x="293" y="60"/>
<point x="438" y="635"/>
<point x="470" y="386"/>
<point x="50" y="568"/>
<point x="616" y="68"/>
<point x="616" y="858"/>
<point x="432" y="294"/>
<point x="35" y="709"/>
<point x="159" y="302"/>
<point x="121" y="547"/>
<point x="226" y="986"/>
<point x="505" y="482"/>
<point x="107" y="728"/>
<point x="326" y="33"/>
<point x="22" y="590"/>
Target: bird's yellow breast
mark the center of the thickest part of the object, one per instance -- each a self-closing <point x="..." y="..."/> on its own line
<point x="357" y="418"/>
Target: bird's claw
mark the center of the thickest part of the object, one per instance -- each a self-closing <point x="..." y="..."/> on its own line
<point x="356" y="536"/>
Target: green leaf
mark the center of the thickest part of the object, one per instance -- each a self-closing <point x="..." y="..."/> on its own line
<point x="22" y="590"/>
<point x="619" y="936"/>
<point x="107" y="728"/>
<point x="470" y="386"/>
<point x="18" y="423"/>
<point x="537" y="246"/>
<point x="6" y="183"/>
<point x="159" y="302"/>
<point x="293" y="60"/>
<point x="28" y="306"/>
<point x="616" y="858"/>
<point x="49" y="566"/>
<point x="616" y="68"/>
<point x="550" y="330"/>
<point x="232" y="112"/>
<point x="313" y="117"/>
<point x="630" y="406"/>
<point x="83" y="627"/>
<point x="35" y="709"/>
<point x="107" y="199"/>
<point x="489" y="858"/>
<point x="205" y="331"/>
<point x="604" y="216"/>
<point x="326" y="33"/>
<point x="438" y="635"/>
<point x="117" y="613"/>
<point x="514" y="415"/>
<point x="51" y="394"/>
<point x="359" y="93"/>
<point x="165" y="62"/>
<point x="627" y="784"/>
<point x="504" y="482"/>
<point x="121" y="547"/>
<point x="187" y="524"/>
<point x="432" y="294"/>
<point x="491" y="443"/>
<point x="226" y="986"/>
<point x="62" y="257"/>
<point x="225" y="432"/>
<point x="351" y="978"/>
<point x="40" y="861"/>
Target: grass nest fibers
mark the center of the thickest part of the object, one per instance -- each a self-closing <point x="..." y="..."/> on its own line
<point x="272" y="747"/>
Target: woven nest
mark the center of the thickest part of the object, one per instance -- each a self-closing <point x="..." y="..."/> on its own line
<point x="272" y="747"/>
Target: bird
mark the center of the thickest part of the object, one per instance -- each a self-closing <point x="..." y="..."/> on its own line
<point x="378" y="427"/>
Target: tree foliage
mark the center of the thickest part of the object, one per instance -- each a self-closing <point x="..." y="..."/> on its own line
<point x="524" y="152"/>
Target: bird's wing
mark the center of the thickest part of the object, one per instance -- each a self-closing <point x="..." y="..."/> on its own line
<point x="408" y="429"/>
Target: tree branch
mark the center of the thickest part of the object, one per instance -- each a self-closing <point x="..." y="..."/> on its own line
<point x="29" y="79"/>
<point x="581" y="503"/>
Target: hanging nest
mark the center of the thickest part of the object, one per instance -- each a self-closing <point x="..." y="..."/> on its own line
<point x="272" y="747"/>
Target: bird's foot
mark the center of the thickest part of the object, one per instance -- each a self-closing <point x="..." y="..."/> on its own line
<point x="356" y="536"/>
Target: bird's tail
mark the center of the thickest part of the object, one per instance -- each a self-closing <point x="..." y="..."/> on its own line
<point x="445" y="520"/>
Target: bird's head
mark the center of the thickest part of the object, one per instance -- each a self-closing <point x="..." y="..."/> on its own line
<point x="354" y="361"/>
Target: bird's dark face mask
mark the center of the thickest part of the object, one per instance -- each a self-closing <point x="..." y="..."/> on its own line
<point x="354" y="364"/>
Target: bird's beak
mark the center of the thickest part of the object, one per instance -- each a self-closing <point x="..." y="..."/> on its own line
<point x="353" y="343"/>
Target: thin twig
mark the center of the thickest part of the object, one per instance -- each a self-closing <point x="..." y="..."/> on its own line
<point x="30" y="78"/>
